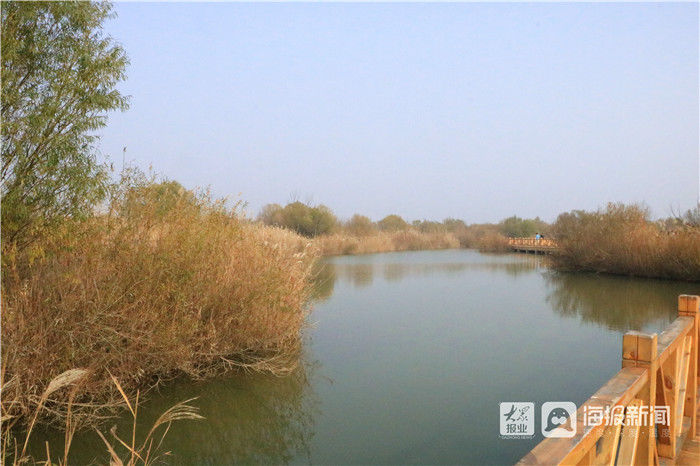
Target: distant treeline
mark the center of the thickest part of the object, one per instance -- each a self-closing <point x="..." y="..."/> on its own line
<point x="360" y="234"/>
<point x="620" y="239"/>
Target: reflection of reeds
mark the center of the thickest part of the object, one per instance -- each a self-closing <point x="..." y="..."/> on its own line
<point x="251" y="418"/>
<point x="618" y="303"/>
<point x="146" y="452"/>
<point x="323" y="280"/>
<point x="361" y="275"/>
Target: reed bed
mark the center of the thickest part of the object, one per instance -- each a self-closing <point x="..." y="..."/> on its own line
<point x="152" y="288"/>
<point x="621" y="239"/>
<point x="492" y="242"/>
<point x="404" y="240"/>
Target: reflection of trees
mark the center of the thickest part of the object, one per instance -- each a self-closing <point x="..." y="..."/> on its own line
<point x="359" y="275"/>
<point x="250" y="419"/>
<point x="618" y="303"/>
<point x="395" y="272"/>
<point x="362" y="275"/>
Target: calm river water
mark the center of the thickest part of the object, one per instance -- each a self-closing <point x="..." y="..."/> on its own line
<point x="407" y="358"/>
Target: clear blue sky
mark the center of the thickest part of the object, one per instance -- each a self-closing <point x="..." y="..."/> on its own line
<point x="474" y="111"/>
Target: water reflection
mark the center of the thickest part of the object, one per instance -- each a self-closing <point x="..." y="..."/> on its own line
<point x="381" y="323"/>
<point x="618" y="303"/>
<point x="250" y="419"/>
<point x="361" y="275"/>
<point x="324" y="277"/>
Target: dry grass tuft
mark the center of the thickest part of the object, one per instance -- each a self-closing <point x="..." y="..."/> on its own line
<point x="148" y="452"/>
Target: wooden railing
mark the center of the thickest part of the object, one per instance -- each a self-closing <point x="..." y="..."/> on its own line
<point x="532" y="244"/>
<point x="545" y="242"/>
<point x="656" y="371"/>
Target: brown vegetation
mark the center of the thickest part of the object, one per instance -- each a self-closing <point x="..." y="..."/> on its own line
<point x="360" y="235"/>
<point x="404" y="240"/>
<point x="622" y="240"/>
<point x="164" y="283"/>
<point x="493" y="242"/>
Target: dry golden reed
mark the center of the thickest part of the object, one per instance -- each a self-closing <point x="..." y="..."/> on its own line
<point x="403" y="240"/>
<point x="621" y="240"/>
<point x="159" y="285"/>
<point x="493" y="242"/>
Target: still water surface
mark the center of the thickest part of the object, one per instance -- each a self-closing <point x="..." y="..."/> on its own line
<point x="407" y="358"/>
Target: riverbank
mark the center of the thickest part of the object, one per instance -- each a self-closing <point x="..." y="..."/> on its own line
<point x="404" y="240"/>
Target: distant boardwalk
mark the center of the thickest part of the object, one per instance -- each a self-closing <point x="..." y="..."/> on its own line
<point x="532" y="245"/>
<point x="659" y="374"/>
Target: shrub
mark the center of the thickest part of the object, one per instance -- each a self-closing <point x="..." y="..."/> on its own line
<point x="454" y="225"/>
<point x="271" y="214"/>
<point x="322" y="221"/>
<point x="392" y="223"/>
<point x="301" y="218"/>
<point x="359" y="225"/>
<point x="516" y="227"/>
<point x="428" y="226"/>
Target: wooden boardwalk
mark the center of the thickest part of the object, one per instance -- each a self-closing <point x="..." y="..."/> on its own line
<point x="659" y="375"/>
<point x="532" y="245"/>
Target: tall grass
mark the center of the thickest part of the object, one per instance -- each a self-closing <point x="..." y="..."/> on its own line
<point x="621" y="239"/>
<point x="162" y="283"/>
<point x="492" y="242"/>
<point x="403" y="240"/>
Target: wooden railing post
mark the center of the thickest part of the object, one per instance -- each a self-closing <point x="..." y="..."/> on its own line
<point x="640" y="350"/>
<point x="689" y="306"/>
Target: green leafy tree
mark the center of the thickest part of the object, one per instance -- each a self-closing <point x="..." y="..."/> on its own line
<point x="429" y="226"/>
<point x="323" y="220"/>
<point x="297" y="216"/>
<point x="517" y="227"/>
<point x="59" y="73"/>
<point x="302" y="218"/>
<point x="454" y="224"/>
